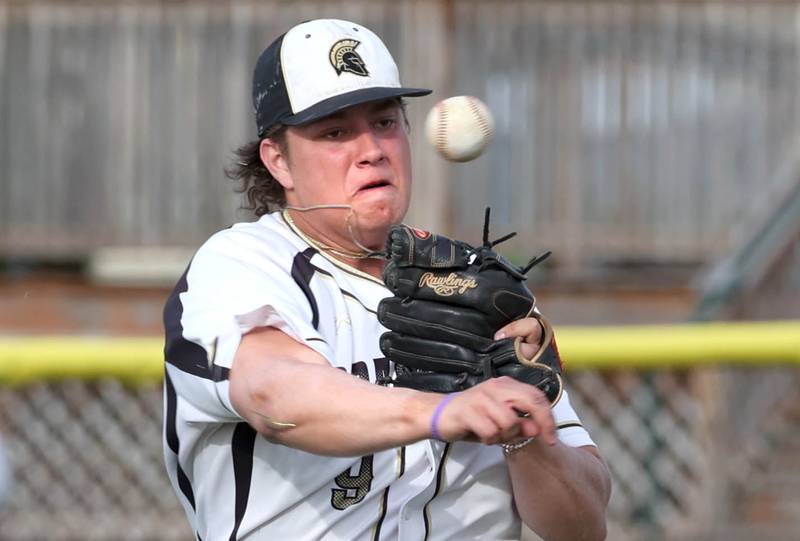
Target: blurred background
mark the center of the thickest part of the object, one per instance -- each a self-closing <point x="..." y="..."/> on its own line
<point x="651" y="145"/>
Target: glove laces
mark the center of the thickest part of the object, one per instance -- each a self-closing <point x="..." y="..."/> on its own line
<point x="489" y="244"/>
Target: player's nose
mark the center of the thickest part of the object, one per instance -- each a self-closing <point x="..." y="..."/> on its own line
<point x="370" y="151"/>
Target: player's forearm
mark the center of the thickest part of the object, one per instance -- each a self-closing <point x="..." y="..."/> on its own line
<point x="561" y="492"/>
<point x="323" y="410"/>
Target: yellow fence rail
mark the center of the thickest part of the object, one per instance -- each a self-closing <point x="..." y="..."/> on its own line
<point x="138" y="360"/>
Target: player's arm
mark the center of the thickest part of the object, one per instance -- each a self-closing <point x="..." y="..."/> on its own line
<point x="289" y="393"/>
<point x="561" y="492"/>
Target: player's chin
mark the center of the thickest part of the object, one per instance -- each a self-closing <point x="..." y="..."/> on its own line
<point x="380" y="211"/>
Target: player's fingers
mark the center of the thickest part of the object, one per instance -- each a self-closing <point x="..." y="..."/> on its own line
<point x="516" y="409"/>
<point x="492" y="418"/>
<point x="467" y="418"/>
<point x="537" y="408"/>
<point x="507" y="420"/>
<point x="528" y="350"/>
<point x="485" y="429"/>
<point x="528" y="328"/>
<point x="529" y="429"/>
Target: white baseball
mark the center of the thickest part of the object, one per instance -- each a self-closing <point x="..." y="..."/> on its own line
<point x="459" y="128"/>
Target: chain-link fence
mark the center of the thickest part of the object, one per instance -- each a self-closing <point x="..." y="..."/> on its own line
<point x="704" y="454"/>
<point x="88" y="464"/>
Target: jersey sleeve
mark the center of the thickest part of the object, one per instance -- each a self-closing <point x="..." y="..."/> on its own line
<point x="569" y="428"/>
<point x="232" y="286"/>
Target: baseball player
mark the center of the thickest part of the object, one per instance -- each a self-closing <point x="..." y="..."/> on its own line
<point x="290" y="412"/>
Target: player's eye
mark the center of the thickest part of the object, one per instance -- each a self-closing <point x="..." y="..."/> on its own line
<point x="333" y="133"/>
<point x="386" y="123"/>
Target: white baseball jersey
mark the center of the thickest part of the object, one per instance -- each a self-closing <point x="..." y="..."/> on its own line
<point x="233" y="483"/>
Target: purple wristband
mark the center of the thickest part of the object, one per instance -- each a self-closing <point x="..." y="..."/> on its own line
<point x="435" y="418"/>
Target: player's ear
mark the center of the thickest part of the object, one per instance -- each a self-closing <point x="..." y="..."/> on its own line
<point x="274" y="158"/>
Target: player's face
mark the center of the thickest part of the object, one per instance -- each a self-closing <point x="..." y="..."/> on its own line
<point x="360" y="157"/>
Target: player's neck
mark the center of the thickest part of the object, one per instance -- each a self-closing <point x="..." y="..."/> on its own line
<point x="372" y="266"/>
<point x="339" y="249"/>
<point x="368" y="265"/>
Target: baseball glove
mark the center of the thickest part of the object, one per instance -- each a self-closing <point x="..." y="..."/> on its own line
<point x="449" y="300"/>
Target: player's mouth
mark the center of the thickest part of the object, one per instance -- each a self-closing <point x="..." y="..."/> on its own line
<point x="374" y="185"/>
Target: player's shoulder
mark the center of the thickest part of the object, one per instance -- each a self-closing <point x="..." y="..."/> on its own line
<point x="247" y="255"/>
<point x="268" y="238"/>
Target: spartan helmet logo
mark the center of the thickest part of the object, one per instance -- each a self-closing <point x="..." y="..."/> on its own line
<point x="345" y="58"/>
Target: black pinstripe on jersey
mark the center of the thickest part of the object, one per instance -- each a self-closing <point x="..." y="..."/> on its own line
<point x="180" y="352"/>
<point x="242" y="445"/>
<point x="191" y="358"/>
<point x="344" y="291"/>
<point x="302" y="272"/>
<point x="439" y="481"/>
<point x="171" y="435"/>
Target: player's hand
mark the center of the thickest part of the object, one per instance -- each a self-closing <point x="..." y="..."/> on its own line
<point x="498" y="410"/>
<point x="529" y="329"/>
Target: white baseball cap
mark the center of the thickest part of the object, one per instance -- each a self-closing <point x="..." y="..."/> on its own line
<point x="320" y="67"/>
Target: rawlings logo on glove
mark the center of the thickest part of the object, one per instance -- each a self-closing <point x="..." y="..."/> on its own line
<point x="447" y="285"/>
<point x="449" y="300"/>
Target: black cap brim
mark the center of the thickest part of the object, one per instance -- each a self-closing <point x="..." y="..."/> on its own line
<point x="343" y="101"/>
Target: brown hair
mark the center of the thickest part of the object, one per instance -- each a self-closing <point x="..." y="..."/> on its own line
<point x="262" y="191"/>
